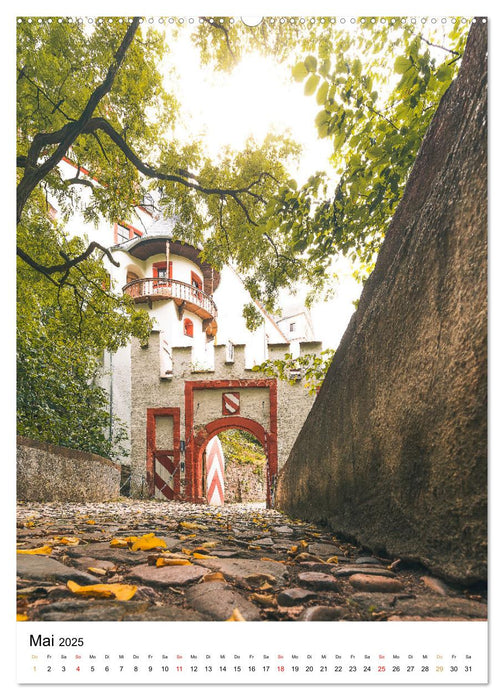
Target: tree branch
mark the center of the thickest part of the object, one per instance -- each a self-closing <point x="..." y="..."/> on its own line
<point x="438" y="46"/>
<point x="66" y="136"/>
<point x="56" y="105"/>
<point x="78" y="180"/>
<point x="69" y="262"/>
<point x="218" y="25"/>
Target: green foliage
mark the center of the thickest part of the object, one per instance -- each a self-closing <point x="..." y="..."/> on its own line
<point x="240" y="447"/>
<point x="253" y="319"/>
<point x="310" y="368"/>
<point x="378" y="88"/>
<point x="377" y="122"/>
<point x="62" y="333"/>
<point x="59" y="65"/>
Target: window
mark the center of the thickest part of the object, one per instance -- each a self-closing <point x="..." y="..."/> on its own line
<point x="122" y="233"/>
<point x="197" y="284"/>
<point x="188" y="327"/>
<point x="159" y="270"/>
<point x="125" y="232"/>
<point x="229" y="351"/>
<point x="196" y="281"/>
<point x="292" y="327"/>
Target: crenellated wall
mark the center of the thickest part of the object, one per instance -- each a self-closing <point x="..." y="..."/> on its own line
<point x="280" y="408"/>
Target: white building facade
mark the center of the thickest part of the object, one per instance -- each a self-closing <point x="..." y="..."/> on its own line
<point x="194" y="378"/>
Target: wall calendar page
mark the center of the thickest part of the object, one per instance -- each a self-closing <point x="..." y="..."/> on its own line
<point x="251" y="348"/>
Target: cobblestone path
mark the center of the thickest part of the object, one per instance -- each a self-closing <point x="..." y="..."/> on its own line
<point x="179" y="561"/>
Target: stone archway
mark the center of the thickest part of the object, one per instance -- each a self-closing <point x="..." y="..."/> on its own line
<point x="212" y="396"/>
<point x="267" y="441"/>
<point x="174" y="466"/>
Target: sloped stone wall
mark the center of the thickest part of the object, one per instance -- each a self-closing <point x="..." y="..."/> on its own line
<point x="393" y="452"/>
<point x="51" y="473"/>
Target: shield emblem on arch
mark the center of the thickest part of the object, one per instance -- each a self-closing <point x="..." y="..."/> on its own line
<point x="230" y="403"/>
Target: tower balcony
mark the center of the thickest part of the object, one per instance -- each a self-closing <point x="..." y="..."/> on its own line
<point x="186" y="297"/>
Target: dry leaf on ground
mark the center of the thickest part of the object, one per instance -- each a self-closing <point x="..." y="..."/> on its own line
<point x="147" y="542"/>
<point x="236" y="616"/>
<point x="214" y="576"/>
<point x="39" y="550"/>
<point x="193" y="526"/>
<point x="161" y="561"/>
<point x="256" y="580"/>
<point x="70" y="541"/>
<point x="266" y="601"/>
<point x="120" y="591"/>
<point x="122" y="542"/>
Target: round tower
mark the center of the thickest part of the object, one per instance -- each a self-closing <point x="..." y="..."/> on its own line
<point x="173" y="282"/>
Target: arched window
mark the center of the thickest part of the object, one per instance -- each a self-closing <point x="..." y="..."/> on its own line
<point x="188" y="327"/>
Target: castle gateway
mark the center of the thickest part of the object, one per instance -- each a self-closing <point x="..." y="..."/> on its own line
<point x="194" y="379"/>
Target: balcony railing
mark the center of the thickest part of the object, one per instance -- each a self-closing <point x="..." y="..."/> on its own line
<point x="152" y="288"/>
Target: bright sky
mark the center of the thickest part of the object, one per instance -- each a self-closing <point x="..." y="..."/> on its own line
<point x="257" y="97"/>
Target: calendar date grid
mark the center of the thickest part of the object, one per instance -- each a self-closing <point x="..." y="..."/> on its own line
<point x="205" y="664"/>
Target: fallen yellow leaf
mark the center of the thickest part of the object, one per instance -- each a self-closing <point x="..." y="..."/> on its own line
<point x="122" y="542"/>
<point x="236" y="616"/>
<point x="265" y="587"/>
<point x="214" y="576"/>
<point x="121" y="591"/>
<point x="100" y="572"/>
<point x="21" y="618"/>
<point x="332" y="560"/>
<point x="208" y="545"/>
<point x="264" y="600"/>
<point x="30" y="523"/>
<point x="173" y="555"/>
<point x="304" y="556"/>
<point x="186" y="551"/>
<point x="90" y="522"/>
<point x="197" y="555"/>
<point x="193" y="526"/>
<point x="256" y="580"/>
<point x="72" y="541"/>
<point x="147" y="542"/>
<point x="40" y="550"/>
<point x="161" y="561"/>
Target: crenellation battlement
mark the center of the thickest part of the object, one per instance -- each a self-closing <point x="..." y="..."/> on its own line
<point x="307" y="347"/>
<point x="276" y="351"/>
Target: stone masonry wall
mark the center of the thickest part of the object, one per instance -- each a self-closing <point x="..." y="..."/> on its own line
<point x="149" y="391"/>
<point x="50" y="473"/>
<point x="393" y="452"/>
<point x="245" y="483"/>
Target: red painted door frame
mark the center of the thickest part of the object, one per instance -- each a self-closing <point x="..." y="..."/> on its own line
<point x="196" y="442"/>
<point x="169" y="458"/>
